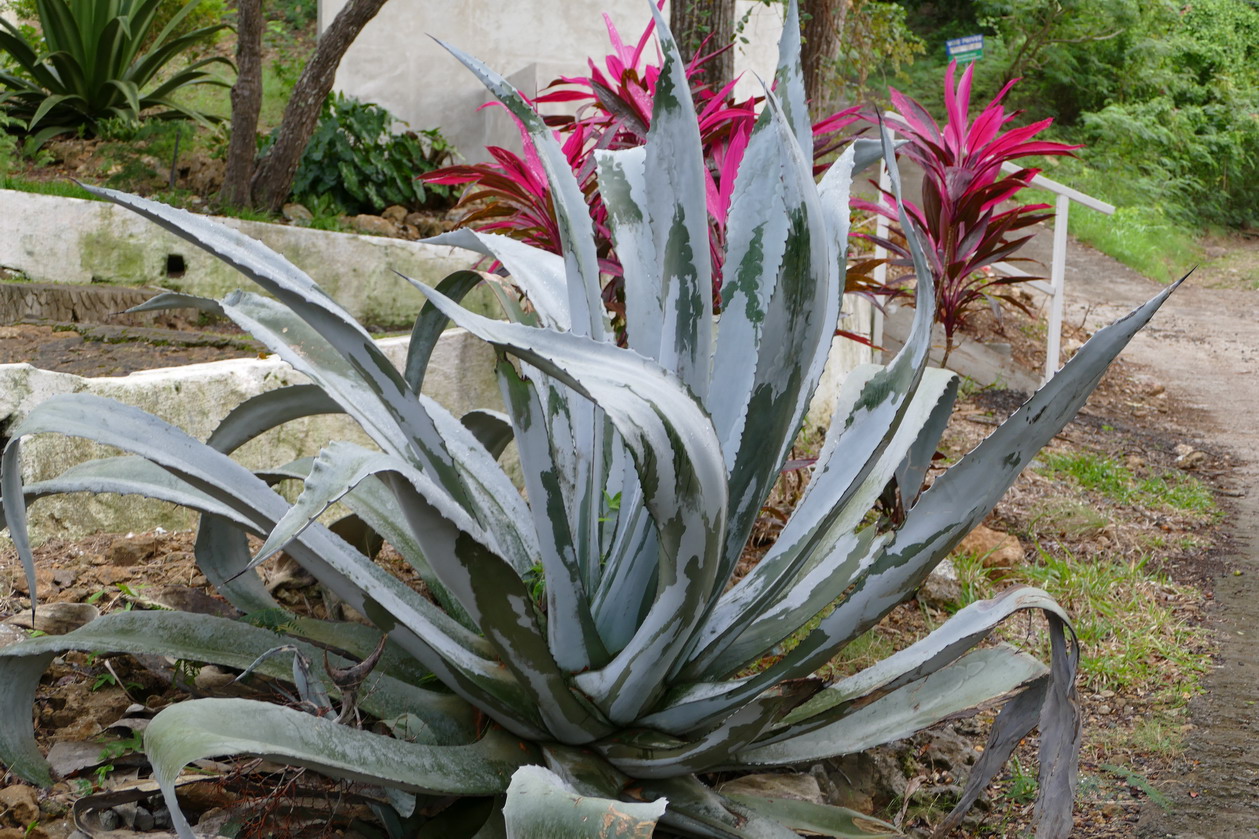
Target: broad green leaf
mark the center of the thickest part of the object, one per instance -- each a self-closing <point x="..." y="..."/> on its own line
<point x="429" y="325"/>
<point x="541" y="806"/>
<point x="203" y="728"/>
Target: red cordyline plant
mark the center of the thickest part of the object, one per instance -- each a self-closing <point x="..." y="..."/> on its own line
<point x="966" y="232"/>
<point x="510" y="194"/>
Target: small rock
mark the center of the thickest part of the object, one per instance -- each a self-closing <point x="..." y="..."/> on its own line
<point x="1134" y="463"/>
<point x="56" y="618"/>
<point x="20" y="803"/>
<point x="70" y="756"/>
<point x="795" y="786"/>
<point x="297" y="213"/>
<point x="211" y="678"/>
<point x="1104" y="710"/>
<point x="10" y="635"/>
<point x="994" y="548"/>
<point x="941" y="588"/>
<point x="1193" y="460"/>
<point x="63" y="578"/>
<point x="396" y="213"/>
<point x="1156" y="389"/>
<point x="127" y="551"/>
<point x="373" y="225"/>
<point x="1182" y="449"/>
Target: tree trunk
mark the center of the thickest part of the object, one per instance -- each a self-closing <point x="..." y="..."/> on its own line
<point x="246" y="102"/>
<point x="274" y="176"/>
<point x="821" y="25"/>
<point x="705" y="26"/>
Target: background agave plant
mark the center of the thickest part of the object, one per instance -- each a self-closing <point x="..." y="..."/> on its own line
<point x="584" y="643"/>
<point x="99" y="60"/>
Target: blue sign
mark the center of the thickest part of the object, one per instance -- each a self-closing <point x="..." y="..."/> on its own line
<point x="968" y="48"/>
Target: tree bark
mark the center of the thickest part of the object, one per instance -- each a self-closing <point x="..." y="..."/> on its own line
<point x="693" y="21"/>
<point x="242" y="146"/>
<point x="821" y="25"/>
<point x="273" y="177"/>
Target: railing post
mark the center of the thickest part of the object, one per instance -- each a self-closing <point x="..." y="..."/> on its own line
<point x="881" y="229"/>
<point x="1057" y="280"/>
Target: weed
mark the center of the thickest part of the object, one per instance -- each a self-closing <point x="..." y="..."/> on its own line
<point x="1138" y="781"/>
<point x="1023" y="786"/>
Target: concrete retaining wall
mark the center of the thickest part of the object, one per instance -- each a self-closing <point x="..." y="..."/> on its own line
<point x="70" y="240"/>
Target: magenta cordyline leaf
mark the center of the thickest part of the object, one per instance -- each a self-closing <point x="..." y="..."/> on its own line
<point x="962" y="191"/>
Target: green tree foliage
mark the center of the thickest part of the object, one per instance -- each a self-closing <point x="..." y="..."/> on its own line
<point x="1165" y="95"/>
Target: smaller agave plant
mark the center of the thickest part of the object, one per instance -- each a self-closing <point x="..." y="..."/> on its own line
<point x="580" y="655"/>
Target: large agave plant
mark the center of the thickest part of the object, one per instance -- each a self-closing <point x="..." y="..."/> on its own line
<point x="583" y="651"/>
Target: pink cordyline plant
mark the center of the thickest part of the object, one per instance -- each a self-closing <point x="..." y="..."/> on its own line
<point x="960" y="218"/>
<point x="509" y="194"/>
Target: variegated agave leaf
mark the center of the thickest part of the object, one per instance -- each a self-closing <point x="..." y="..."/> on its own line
<point x="586" y="621"/>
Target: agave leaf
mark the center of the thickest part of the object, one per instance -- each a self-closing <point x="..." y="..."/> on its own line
<point x="944" y="645"/>
<point x="182" y="635"/>
<point x="571" y="631"/>
<point x="817" y="819"/>
<point x="492" y="429"/>
<point x="789" y="79"/>
<point x="541" y="806"/>
<point x="576" y="231"/>
<point x="477" y="479"/>
<point x="488" y="587"/>
<point x="973" y="679"/>
<point x="427" y="633"/>
<point x="659" y="215"/>
<point x="268" y="410"/>
<point x="429" y="325"/>
<point x="538" y="273"/>
<point x="819" y="552"/>
<point x="683" y="479"/>
<point x="787" y="321"/>
<point x="697" y="810"/>
<point x="202" y="728"/>
<point x="342" y="358"/>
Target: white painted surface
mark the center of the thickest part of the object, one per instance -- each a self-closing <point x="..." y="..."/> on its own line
<point x="396" y="63"/>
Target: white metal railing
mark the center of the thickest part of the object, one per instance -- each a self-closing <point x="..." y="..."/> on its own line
<point x="1055" y="289"/>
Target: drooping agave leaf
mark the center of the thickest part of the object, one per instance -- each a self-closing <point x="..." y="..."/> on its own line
<point x="696" y="810"/>
<point x="944" y="645"/>
<point x="188" y="731"/>
<point x="357" y="374"/>
<point x="182" y="635"/>
<point x="478" y="481"/>
<point x="972" y="679"/>
<point x="683" y="480"/>
<point x="267" y="410"/>
<point x="541" y="806"/>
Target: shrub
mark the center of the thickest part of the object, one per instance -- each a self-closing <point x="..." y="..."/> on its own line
<point x="356" y="161"/>
<point x="101" y="59"/>
<point x="596" y="628"/>
<point x="962" y="191"/>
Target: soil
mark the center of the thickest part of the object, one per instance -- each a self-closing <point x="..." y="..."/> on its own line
<point x="1181" y="388"/>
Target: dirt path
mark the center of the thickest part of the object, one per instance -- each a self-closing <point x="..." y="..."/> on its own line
<point x="1204" y="347"/>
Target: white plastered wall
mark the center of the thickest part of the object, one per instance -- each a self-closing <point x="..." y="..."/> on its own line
<point x="396" y="63"/>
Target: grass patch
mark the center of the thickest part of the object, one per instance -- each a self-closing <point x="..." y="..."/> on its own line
<point x="1131" y="638"/>
<point x="1115" y="482"/>
<point x="62" y="189"/>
